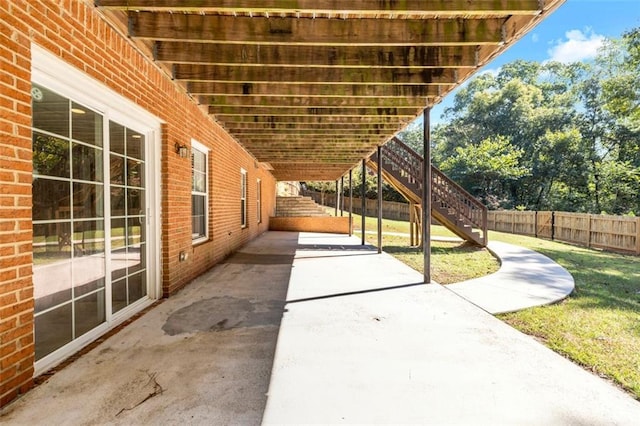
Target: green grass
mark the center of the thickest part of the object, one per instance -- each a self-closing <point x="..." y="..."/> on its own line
<point x="388" y="225"/>
<point x="451" y="262"/>
<point x="599" y="325"/>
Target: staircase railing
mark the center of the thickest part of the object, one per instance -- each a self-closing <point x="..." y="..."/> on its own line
<point x="403" y="160"/>
<point x="446" y="195"/>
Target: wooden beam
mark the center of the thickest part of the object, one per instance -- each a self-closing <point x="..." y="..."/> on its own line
<point x="317" y="56"/>
<point x="312" y="119"/>
<point x="319" y="158"/>
<point x="282" y="154"/>
<point x="307" y="102"/>
<point x="304" y="171"/>
<point x="292" y="127"/>
<point x="315" y="174"/>
<point x="303" y="31"/>
<point x="241" y="74"/>
<point x="266" y="132"/>
<point x="316" y="90"/>
<point x="298" y="111"/>
<point x="311" y="142"/>
<point x="360" y="7"/>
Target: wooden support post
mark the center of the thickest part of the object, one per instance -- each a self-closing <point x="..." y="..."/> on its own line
<point x="379" y="199"/>
<point x="336" y="199"/>
<point x="411" y="224"/>
<point x="350" y="202"/>
<point x="363" y="198"/>
<point x="342" y="196"/>
<point x="426" y="196"/>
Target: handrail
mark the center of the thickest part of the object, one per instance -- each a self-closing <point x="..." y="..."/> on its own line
<point x="412" y="165"/>
<point x="446" y="193"/>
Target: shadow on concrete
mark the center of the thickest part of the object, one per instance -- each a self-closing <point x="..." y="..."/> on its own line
<point x="355" y="293"/>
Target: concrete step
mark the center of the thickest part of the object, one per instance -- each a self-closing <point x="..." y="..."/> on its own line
<point x="298" y="206"/>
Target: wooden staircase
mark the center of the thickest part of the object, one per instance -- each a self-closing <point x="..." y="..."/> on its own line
<point x="298" y="206"/>
<point x="451" y="205"/>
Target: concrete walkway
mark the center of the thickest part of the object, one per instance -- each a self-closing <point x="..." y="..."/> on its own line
<point x="363" y="342"/>
<point x="359" y="340"/>
<point x="525" y="279"/>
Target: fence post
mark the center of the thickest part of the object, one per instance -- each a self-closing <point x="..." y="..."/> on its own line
<point x="589" y="230"/>
<point x="513" y="222"/>
<point x="535" y="224"/>
<point x="553" y="225"/>
<point x="638" y="236"/>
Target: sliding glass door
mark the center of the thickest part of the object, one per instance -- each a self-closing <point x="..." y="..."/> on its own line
<point x="89" y="221"/>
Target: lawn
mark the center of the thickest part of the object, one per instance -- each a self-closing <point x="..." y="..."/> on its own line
<point x="451" y="262"/>
<point x="598" y="326"/>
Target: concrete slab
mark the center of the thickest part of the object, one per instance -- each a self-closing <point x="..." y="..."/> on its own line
<point x="362" y="342"/>
<point x="525" y="279"/>
<point x="205" y="354"/>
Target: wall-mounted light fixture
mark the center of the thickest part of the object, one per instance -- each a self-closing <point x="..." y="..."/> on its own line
<point x="182" y="150"/>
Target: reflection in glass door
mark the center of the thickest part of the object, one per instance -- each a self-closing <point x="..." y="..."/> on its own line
<point x="128" y="248"/>
<point x="68" y="220"/>
<point x="70" y="223"/>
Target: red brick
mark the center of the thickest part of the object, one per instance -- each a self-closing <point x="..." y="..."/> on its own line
<point x="11" y="310"/>
<point x="8" y="299"/>
<point x="18" y="382"/>
<point x="17" y="333"/>
<point x="8" y="348"/>
<point x="8" y="324"/>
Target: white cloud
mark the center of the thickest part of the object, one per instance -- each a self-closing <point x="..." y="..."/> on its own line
<point x="578" y="46"/>
<point x="493" y="71"/>
<point x="535" y="37"/>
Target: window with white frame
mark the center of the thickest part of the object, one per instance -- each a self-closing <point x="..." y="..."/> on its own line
<point x="243" y="198"/>
<point x="259" y="199"/>
<point x="199" y="192"/>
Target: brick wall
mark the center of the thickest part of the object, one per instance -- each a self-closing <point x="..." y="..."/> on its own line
<point x="74" y="31"/>
<point x="335" y="225"/>
<point x="16" y="290"/>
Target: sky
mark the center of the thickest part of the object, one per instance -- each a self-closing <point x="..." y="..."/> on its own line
<point x="572" y="33"/>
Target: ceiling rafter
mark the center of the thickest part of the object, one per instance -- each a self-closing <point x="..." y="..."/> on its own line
<point x="313" y="86"/>
<point x="309" y="102"/>
<point x="408" y="56"/>
<point x="341" y="90"/>
<point x="436" y="8"/>
<point x="305" y="76"/>
<point x="314" y="32"/>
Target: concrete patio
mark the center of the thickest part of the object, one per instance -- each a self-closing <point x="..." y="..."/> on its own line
<point x="357" y="338"/>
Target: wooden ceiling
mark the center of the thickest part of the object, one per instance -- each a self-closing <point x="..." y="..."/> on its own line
<point x="313" y="86"/>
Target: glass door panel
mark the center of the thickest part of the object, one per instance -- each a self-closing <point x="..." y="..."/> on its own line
<point x="76" y="167"/>
<point x="128" y="233"/>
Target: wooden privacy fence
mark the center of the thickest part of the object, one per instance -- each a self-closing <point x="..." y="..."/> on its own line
<point x="390" y="209"/>
<point x="614" y="233"/>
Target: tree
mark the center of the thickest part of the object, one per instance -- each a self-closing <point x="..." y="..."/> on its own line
<point x="523" y="103"/>
<point x="485" y="168"/>
<point x="576" y="128"/>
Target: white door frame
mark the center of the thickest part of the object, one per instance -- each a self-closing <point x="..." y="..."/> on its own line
<point x="53" y="73"/>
